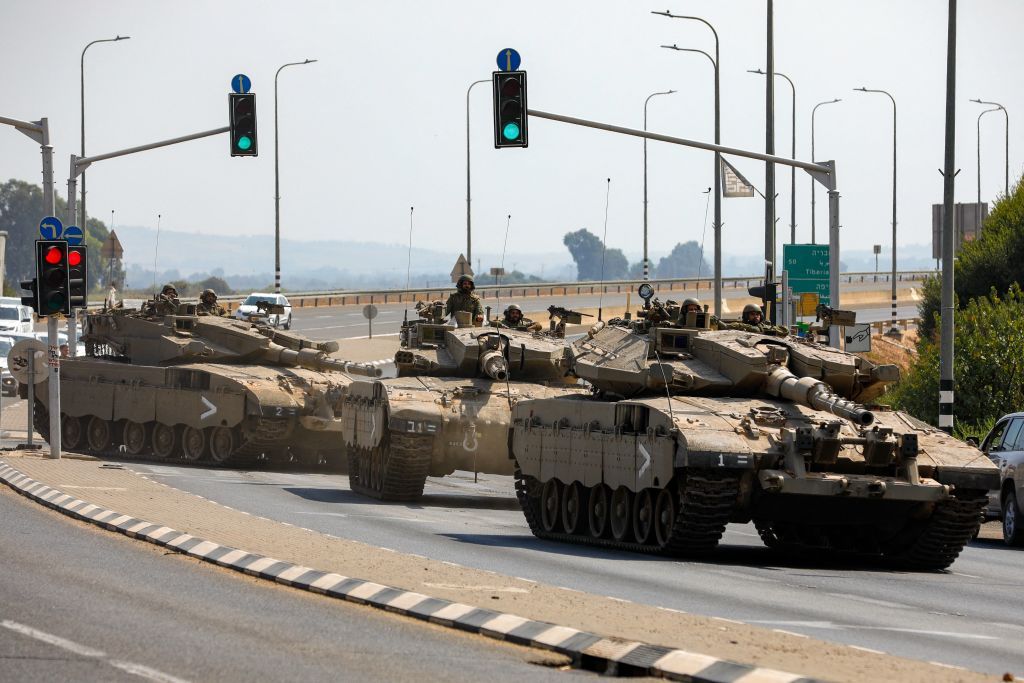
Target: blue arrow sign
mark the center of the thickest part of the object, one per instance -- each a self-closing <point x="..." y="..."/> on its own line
<point x="50" y="228"/>
<point x="73" y="234"/>
<point x="508" y="60"/>
<point x="240" y="83"/>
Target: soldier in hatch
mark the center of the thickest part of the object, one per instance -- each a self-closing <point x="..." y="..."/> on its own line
<point x="208" y="304"/>
<point x="513" y="319"/>
<point x="465" y="300"/>
<point x="753" y="321"/>
<point x="165" y="303"/>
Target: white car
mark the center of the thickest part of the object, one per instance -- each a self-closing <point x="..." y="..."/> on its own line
<point x="8" y="385"/>
<point x="247" y="309"/>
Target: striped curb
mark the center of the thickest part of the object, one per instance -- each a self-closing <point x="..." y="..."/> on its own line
<point x="606" y="655"/>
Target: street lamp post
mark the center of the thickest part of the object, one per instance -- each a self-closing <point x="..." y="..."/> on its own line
<point x="82" y="220"/>
<point x="978" y="205"/>
<point x="1006" y="181"/>
<point x="893" y="330"/>
<point x="469" y="220"/>
<point x="718" y="160"/>
<point x="814" y="182"/>
<point x="277" y="185"/>
<point x="646" y="260"/>
<point x="792" y="177"/>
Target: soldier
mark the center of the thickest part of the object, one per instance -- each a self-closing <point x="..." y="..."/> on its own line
<point x="465" y="300"/>
<point x="513" y="319"/>
<point x="165" y="303"/>
<point x="691" y="305"/>
<point x="753" y="321"/>
<point x="208" y="304"/>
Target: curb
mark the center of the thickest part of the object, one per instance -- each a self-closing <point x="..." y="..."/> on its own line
<point x="588" y="651"/>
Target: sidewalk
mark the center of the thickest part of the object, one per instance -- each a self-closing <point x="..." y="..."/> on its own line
<point x="207" y="526"/>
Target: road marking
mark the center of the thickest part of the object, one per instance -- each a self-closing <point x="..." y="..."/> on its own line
<point x="830" y="625"/>
<point x="86" y="651"/>
<point x="867" y="649"/>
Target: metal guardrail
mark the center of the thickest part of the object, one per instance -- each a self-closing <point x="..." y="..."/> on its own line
<point x="524" y="290"/>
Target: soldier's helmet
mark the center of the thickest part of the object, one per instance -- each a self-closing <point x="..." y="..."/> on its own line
<point x="690" y="301"/>
<point x="751" y="308"/>
<point x="208" y="296"/>
<point x="514" y="308"/>
<point x="465" y="278"/>
<point x="169" y="290"/>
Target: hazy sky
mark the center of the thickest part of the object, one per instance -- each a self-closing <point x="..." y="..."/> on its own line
<point x="378" y="123"/>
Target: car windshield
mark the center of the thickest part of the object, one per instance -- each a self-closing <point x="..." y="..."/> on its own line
<point x="9" y="314"/>
<point x="252" y="300"/>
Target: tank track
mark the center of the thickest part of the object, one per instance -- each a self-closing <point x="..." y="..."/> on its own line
<point x="404" y="460"/>
<point x="930" y="544"/>
<point x="705" y="500"/>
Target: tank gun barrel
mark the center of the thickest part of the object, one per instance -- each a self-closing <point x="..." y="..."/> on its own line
<point x="815" y="394"/>
<point x="311" y="359"/>
<point x="492" y="364"/>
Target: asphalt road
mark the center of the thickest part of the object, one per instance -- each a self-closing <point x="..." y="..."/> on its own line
<point x="970" y="616"/>
<point x="80" y="604"/>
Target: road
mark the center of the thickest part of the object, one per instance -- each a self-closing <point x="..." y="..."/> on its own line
<point x="79" y="604"/>
<point x="968" y="617"/>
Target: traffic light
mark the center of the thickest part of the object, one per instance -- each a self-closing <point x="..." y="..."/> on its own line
<point x="509" y="108"/>
<point x="769" y="296"/>
<point x="242" y="118"/>
<point x="78" y="281"/>
<point x="32" y="301"/>
<point x="52" y="277"/>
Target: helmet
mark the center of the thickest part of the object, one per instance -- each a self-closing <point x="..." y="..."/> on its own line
<point x="465" y="278"/>
<point x="690" y="301"/>
<point x="207" y="293"/>
<point x="751" y="308"/>
<point x="513" y="307"/>
<point x="169" y="289"/>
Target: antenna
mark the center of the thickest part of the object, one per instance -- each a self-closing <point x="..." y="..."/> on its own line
<point x="408" y="267"/>
<point x="604" y="247"/>
<point x="703" y="234"/>
<point x="156" y="250"/>
<point x="668" y="394"/>
<point x="497" y="291"/>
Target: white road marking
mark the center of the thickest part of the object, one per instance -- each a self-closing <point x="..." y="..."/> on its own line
<point x="830" y="625"/>
<point x="140" y="670"/>
<point x="867" y="649"/>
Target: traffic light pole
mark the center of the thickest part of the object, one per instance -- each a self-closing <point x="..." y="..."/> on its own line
<point x="824" y="173"/>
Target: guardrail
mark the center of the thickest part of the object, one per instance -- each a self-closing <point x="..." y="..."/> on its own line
<point x="524" y="290"/>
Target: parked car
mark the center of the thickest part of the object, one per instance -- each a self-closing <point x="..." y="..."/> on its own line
<point x="8" y="385"/>
<point x="1005" y="446"/>
<point x="15" y="318"/>
<point x="247" y="309"/>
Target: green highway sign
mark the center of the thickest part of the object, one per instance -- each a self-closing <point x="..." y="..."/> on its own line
<point x="808" y="267"/>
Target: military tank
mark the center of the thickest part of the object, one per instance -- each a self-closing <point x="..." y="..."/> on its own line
<point x="450" y="405"/>
<point x="201" y="389"/>
<point x="692" y="428"/>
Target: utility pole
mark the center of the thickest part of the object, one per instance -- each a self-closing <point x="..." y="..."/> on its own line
<point x="948" y="177"/>
<point x="769" y="149"/>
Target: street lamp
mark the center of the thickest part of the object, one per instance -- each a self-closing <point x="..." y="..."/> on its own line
<point x="277" y="186"/>
<point x="469" y="231"/>
<point x="894" y="331"/>
<point x="792" y="170"/>
<point x="81" y="222"/>
<point x="978" y="205"/>
<point x="718" y="158"/>
<point x="1006" y="182"/>
<point x="646" y="260"/>
<point x="813" y="182"/>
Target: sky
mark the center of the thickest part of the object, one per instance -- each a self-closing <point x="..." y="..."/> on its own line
<point x="378" y="124"/>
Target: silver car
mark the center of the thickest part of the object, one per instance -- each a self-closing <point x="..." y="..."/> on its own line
<point x="1005" y="446"/>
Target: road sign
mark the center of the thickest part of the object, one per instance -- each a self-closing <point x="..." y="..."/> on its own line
<point x="240" y="84"/>
<point x="808" y="266"/>
<point x="74" y="235"/>
<point x="369" y="311"/>
<point x="808" y="304"/>
<point x="461" y="268"/>
<point x="497" y="271"/>
<point x="112" y="248"/>
<point x="858" y="338"/>
<point x="508" y="60"/>
<point x="17" y="360"/>
<point x="50" y="228"/>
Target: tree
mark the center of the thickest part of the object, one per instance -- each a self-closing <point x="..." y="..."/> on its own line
<point x="590" y="255"/>
<point x="685" y="260"/>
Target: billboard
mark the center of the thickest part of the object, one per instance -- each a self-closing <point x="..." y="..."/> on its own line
<point x="967" y="223"/>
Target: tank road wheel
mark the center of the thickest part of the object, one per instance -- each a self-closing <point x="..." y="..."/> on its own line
<point x="573" y="499"/>
<point x="621" y="513"/>
<point x="98" y="434"/>
<point x="193" y="444"/>
<point x="550" y="496"/>
<point x="664" y="517"/>
<point x="135" y="438"/>
<point x="597" y="511"/>
<point x="643" y="516"/>
<point x="223" y="443"/>
<point x="164" y="439"/>
<point x="72" y="435"/>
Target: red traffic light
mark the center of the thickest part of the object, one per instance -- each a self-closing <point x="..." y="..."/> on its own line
<point x="74" y="258"/>
<point x="54" y="255"/>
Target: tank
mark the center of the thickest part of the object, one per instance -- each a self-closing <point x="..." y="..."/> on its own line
<point x="692" y="428"/>
<point x="449" y="408"/>
<point x="201" y="388"/>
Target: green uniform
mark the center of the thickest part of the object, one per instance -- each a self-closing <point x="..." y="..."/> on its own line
<point x="161" y="305"/>
<point x="210" y="309"/>
<point x="524" y="325"/>
<point x="464" y="301"/>
<point x="760" y="328"/>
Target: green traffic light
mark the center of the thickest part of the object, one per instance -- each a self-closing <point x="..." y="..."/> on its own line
<point x="511" y="131"/>
<point x="244" y="142"/>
